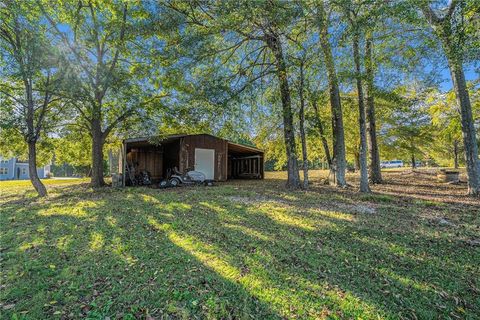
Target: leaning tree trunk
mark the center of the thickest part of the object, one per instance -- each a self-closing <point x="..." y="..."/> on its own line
<point x="375" y="170"/>
<point x="31" y="140"/>
<point x="340" y="163"/>
<point x="302" y="130"/>
<point x="32" y="169"/>
<point x="326" y="149"/>
<point x="468" y="128"/>
<point x="97" y="154"/>
<point x="293" y="180"/>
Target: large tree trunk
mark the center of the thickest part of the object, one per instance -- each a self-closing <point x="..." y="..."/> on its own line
<point x="364" y="187"/>
<point x="468" y="128"/>
<point x="321" y="130"/>
<point x="414" y="164"/>
<point x="446" y="32"/>
<point x="375" y="170"/>
<point x="32" y="169"/>
<point x="340" y="164"/>
<point x="97" y="155"/>
<point x="31" y="139"/>
<point x="302" y="130"/>
<point x="455" y="153"/>
<point x="293" y="180"/>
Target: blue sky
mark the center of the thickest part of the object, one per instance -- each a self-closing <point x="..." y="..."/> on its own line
<point x="446" y="85"/>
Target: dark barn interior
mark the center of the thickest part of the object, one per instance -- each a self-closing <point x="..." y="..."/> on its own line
<point x="219" y="159"/>
<point x="244" y="162"/>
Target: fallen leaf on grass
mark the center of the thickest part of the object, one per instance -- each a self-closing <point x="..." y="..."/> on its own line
<point x="473" y="242"/>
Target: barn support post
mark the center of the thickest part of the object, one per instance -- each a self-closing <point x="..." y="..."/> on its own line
<point x="124" y="163"/>
<point x="226" y="159"/>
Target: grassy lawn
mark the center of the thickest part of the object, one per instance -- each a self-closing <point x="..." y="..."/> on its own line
<point x="244" y="249"/>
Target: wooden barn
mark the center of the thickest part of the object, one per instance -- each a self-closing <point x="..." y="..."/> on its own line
<point x="217" y="158"/>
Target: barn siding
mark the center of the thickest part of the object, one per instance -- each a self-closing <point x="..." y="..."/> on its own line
<point x="148" y="159"/>
<point x="204" y="141"/>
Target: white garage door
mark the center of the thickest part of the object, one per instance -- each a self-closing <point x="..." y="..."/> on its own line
<point x="205" y="162"/>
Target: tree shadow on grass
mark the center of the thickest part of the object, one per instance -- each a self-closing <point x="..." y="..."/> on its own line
<point x="197" y="253"/>
<point x="107" y="260"/>
<point x="398" y="273"/>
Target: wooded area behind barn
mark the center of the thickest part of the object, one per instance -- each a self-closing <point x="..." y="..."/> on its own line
<point x="157" y="155"/>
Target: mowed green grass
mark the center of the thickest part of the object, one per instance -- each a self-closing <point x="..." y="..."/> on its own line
<point x="240" y="250"/>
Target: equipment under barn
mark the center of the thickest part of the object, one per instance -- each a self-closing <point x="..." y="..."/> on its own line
<point x="217" y="158"/>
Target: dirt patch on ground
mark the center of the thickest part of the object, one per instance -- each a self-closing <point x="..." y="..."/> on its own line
<point x="321" y="205"/>
<point x="419" y="190"/>
<point x="421" y="185"/>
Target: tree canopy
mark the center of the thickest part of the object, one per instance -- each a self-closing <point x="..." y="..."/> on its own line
<point x="313" y="83"/>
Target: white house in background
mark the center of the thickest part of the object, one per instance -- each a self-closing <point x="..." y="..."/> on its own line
<point x="13" y="169"/>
